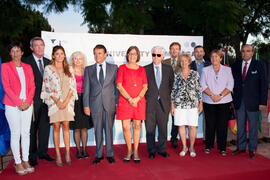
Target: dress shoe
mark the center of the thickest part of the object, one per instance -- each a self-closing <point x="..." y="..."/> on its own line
<point x="207" y="151"/>
<point x="174" y="144"/>
<point x="33" y="162"/>
<point x="137" y="160"/>
<point x="252" y="154"/>
<point x="97" y="160"/>
<point x="164" y="154"/>
<point x="46" y="157"/>
<point x="238" y="151"/>
<point x="151" y="155"/>
<point x="223" y="153"/>
<point x="110" y="160"/>
<point x="183" y="152"/>
<point x="85" y="154"/>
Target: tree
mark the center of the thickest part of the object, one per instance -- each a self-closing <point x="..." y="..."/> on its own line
<point x="19" y="23"/>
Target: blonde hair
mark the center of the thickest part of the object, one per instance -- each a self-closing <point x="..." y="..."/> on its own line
<point x="185" y="56"/>
<point x="71" y="59"/>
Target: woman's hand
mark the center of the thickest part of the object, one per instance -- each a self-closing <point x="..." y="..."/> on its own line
<point x="24" y="106"/>
<point x="172" y="109"/>
<point x="60" y="105"/>
<point x="200" y="108"/>
<point x="134" y="101"/>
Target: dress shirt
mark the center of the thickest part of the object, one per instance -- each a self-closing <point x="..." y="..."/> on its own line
<point x="243" y="64"/>
<point x="36" y="59"/>
<point x="200" y="66"/>
<point x="104" y="69"/>
<point x="216" y="83"/>
<point x="160" y="70"/>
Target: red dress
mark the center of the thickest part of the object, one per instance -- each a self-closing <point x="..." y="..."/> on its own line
<point x="132" y="80"/>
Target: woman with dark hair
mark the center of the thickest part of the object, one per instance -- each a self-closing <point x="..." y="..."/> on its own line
<point x="19" y="87"/>
<point x="217" y="84"/>
<point x="59" y="93"/>
<point x="132" y="85"/>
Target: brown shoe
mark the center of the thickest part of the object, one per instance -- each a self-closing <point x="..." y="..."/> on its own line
<point x="252" y="154"/>
<point x="238" y="151"/>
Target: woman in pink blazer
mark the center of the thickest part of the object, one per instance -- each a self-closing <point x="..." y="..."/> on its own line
<point x="19" y="86"/>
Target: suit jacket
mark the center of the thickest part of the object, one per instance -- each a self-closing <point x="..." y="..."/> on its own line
<point x="94" y="95"/>
<point x="169" y="62"/>
<point x="164" y="90"/>
<point x="254" y="89"/>
<point x="12" y="85"/>
<point x="193" y="65"/>
<point x="38" y="77"/>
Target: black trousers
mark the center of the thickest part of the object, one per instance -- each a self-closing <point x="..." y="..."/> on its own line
<point x="216" y="119"/>
<point x="157" y="117"/>
<point x="39" y="131"/>
<point x="174" y="131"/>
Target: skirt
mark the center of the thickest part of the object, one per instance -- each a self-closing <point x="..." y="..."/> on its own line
<point x="186" y="117"/>
<point x="81" y="119"/>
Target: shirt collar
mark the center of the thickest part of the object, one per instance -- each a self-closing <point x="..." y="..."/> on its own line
<point x="203" y="61"/>
<point x="157" y="65"/>
<point x="248" y="62"/>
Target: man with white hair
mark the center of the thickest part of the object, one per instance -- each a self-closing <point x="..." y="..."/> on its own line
<point x="160" y="79"/>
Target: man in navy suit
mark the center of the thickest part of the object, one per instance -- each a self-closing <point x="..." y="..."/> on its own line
<point x="249" y="96"/>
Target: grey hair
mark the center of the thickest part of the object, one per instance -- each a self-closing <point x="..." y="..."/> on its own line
<point x="36" y="39"/>
<point x="71" y="59"/>
<point x="159" y="47"/>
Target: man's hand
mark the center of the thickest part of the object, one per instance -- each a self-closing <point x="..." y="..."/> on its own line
<point x="262" y="107"/>
<point x="87" y="111"/>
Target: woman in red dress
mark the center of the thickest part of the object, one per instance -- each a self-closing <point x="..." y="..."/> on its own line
<point x="132" y="85"/>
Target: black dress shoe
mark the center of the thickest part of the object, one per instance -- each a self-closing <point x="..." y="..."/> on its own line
<point x="164" y="154"/>
<point x="97" y="160"/>
<point x="46" y="157"/>
<point x="252" y="154"/>
<point x="174" y="144"/>
<point x="151" y="155"/>
<point x="33" y="162"/>
<point x="110" y="160"/>
<point x="238" y="151"/>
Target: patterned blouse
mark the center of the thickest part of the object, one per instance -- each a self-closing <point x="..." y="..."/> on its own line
<point x="186" y="94"/>
<point x="51" y="87"/>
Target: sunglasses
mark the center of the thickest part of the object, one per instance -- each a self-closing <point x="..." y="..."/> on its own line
<point x="154" y="55"/>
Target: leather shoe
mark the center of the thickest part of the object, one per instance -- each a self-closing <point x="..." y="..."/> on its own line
<point x="97" y="160"/>
<point x="252" y="154"/>
<point x="238" y="151"/>
<point x="174" y="144"/>
<point x="85" y="154"/>
<point x="110" y="160"/>
<point x="46" y="157"/>
<point x="164" y="154"/>
<point x="33" y="162"/>
<point x="151" y="155"/>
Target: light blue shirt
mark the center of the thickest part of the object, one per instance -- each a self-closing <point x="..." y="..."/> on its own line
<point x="103" y="67"/>
<point x="160" y="70"/>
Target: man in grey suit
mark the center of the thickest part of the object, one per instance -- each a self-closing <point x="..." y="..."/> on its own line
<point x="99" y="99"/>
<point x="160" y="79"/>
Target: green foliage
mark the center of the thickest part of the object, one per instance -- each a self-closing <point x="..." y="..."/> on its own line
<point x="19" y="23"/>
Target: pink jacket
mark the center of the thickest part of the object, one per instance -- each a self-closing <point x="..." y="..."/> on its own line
<point x="12" y="86"/>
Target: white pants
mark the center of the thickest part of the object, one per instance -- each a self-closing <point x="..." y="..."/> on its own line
<point x="19" y="124"/>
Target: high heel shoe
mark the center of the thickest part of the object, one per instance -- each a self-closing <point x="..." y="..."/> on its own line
<point x="85" y="154"/>
<point x="183" y="152"/>
<point x="28" y="168"/>
<point x="128" y="158"/>
<point x="59" y="161"/>
<point x="19" y="172"/>
<point x="68" y="159"/>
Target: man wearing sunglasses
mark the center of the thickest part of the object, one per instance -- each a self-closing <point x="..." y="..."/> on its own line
<point x="175" y="49"/>
<point x="160" y="79"/>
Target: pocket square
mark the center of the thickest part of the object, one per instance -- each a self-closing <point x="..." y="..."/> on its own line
<point x="254" y="72"/>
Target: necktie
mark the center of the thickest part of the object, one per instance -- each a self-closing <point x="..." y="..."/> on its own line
<point x="101" y="75"/>
<point x="244" y="71"/>
<point x="173" y="62"/>
<point x="41" y="69"/>
<point x="157" y="76"/>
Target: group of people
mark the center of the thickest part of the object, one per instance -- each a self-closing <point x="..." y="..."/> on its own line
<point x="40" y="92"/>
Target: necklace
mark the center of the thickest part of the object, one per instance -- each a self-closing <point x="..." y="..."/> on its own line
<point x="133" y="80"/>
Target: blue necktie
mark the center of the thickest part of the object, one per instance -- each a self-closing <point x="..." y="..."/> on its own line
<point x="101" y="75"/>
<point x="157" y="76"/>
<point x="41" y="69"/>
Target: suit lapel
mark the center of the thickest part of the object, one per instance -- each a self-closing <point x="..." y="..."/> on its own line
<point x="13" y="67"/>
<point x="108" y="73"/>
<point x="154" y="76"/>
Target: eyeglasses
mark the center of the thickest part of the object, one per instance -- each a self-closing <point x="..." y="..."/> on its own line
<point x="154" y="55"/>
<point x="132" y="54"/>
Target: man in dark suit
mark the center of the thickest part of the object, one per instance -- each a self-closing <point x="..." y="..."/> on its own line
<point x="199" y="63"/>
<point x="160" y="79"/>
<point x="175" y="49"/>
<point x="40" y="126"/>
<point x="99" y="99"/>
<point x="249" y="96"/>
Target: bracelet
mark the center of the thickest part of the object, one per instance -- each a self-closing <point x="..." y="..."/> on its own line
<point x="211" y="95"/>
<point x="221" y="95"/>
<point x="128" y="98"/>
